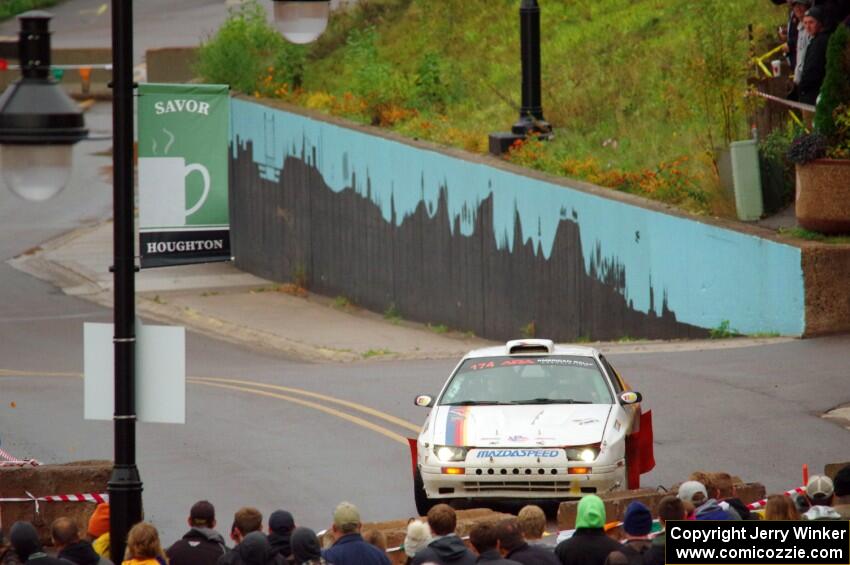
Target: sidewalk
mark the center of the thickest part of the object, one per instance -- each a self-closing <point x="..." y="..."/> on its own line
<point x="217" y="299"/>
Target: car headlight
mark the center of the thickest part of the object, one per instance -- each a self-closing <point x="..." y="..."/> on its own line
<point x="583" y="453"/>
<point x="446" y="453"/>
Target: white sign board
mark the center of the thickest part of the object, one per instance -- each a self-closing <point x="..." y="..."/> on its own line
<point x="160" y="373"/>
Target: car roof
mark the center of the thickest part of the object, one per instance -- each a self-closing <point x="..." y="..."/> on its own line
<point x="559" y="349"/>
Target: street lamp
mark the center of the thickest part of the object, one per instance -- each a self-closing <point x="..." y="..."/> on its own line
<point x="39" y="123"/>
<point x="531" y="112"/>
<point x="125" y="484"/>
<point x="301" y="21"/>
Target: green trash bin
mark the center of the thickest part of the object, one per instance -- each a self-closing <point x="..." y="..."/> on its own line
<point x="746" y="177"/>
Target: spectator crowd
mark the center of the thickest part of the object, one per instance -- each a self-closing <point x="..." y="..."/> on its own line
<point x="639" y="539"/>
<point x="806" y="35"/>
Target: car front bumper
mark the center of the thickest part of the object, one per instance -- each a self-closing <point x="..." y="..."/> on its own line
<point x="521" y="481"/>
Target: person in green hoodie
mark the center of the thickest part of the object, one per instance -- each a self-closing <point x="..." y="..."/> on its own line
<point x="589" y="545"/>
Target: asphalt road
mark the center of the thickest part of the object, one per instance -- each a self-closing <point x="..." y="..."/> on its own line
<point x="753" y="412"/>
<point x="156" y="23"/>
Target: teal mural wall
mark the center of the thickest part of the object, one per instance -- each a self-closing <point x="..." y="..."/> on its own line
<point x="701" y="273"/>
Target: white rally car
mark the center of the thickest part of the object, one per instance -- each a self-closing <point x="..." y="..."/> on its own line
<point x="532" y="420"/>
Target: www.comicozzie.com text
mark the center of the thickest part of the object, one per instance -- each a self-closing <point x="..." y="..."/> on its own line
<point x="727" y="534"/>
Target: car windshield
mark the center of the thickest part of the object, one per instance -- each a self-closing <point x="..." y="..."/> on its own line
<point x="556" y="379"/>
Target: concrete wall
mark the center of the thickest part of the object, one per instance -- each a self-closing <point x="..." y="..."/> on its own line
<point x="480" y="245"/>
<point x="46" y="480"/>
<point x="827" y="275"/>
<point x="171" y="64"/>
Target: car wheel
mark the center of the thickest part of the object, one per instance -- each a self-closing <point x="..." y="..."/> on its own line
<point x="423" y="503"/>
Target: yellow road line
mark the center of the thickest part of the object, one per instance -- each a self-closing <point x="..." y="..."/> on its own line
<point x="327" y="410"/>
<point x="353" y="405"/>
<point x="15" y="373"/>
<point x="236" y="384"/>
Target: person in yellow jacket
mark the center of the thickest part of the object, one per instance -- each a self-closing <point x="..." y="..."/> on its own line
<point x="98" y="529"/>
<point x="143" y="546"/>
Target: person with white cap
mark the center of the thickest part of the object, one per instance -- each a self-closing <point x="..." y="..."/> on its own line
<point x="707" y="508"/>
<point x="693" y="492"/>
<point x="820" y="491"/>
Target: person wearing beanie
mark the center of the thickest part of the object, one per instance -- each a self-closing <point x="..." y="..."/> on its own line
<point x="841" y="483"/>
<point x="589" y="545"/>
<point x="202" y="544"/>
<point x="814" y="64"/>
<point x="98" y="529"/>
<point x="306" y="549"/>
<point x="802" y="37"/>
<point x="637" y="525"/>
<point x="281" y="524"/>
<point x="418" y="537"/>
<point x="253" y="549"/>
<point x="99" y="521"/>
<point x="24" y="539"/>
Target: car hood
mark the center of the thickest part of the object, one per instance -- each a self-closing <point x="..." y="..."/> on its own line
<point x="545" y="425"/>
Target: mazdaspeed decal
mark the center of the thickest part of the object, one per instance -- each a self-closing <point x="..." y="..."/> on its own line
<point x="498" y="453"/>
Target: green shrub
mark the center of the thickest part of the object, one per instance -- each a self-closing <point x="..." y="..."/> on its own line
<point x="836" y="84"/>
<point x="432" y="91"/>
<point x="718" y="71"/>
<point x="375" y="79"/>
<point x="777" y="172"/>
<point x="246" y="50"/>
<point x="840" y="148"/>
<point x="723" y="331"/>
<point x="11" y="8"/>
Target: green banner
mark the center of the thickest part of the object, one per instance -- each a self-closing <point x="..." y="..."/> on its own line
<point x="183" y="173"/>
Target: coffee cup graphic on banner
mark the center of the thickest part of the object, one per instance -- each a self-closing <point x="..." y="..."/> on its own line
<point x="183" y="174"/>
<point x="162" y="190"/>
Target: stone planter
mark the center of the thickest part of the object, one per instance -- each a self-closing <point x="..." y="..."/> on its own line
<point x="823" y="195"/>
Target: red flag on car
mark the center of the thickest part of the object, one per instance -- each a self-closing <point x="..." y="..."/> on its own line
<point x="640" y="456"/>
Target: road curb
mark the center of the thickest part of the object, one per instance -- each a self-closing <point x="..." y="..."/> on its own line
<point x="75" y="280"/>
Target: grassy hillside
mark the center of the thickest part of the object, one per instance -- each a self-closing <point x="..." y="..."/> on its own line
<point x="11" y="8"/>
<point x="639" y="91"/>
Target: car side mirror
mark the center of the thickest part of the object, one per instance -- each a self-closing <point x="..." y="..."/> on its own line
<point x="631" y="397"/>
<point x="424" y="401"/>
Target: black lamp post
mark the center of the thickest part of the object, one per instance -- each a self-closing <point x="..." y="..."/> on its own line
<point x="531" y="112"/>
<point x="38" y="125"/>
<point x="125" y="485"/>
